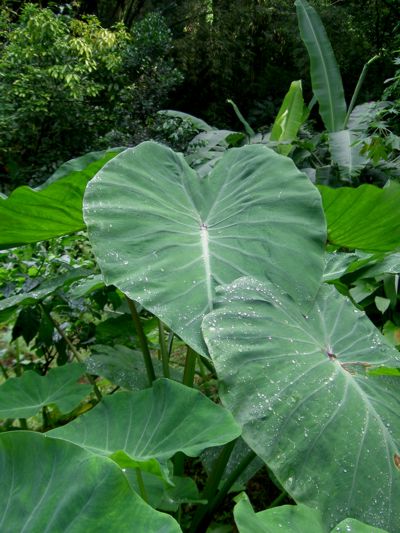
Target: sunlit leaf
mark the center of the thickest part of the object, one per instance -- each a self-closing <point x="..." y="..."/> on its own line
<point x="53" y="209"/>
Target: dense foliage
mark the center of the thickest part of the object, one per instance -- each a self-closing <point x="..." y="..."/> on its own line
<point x="68" y="82"/>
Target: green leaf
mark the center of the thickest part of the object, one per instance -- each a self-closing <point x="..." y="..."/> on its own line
<point x="325" y="75"/>
<point x="287" y="518"/>
<point x="345" y="152"/>
<point x="49" y="485"/>
<point x="196" y="122"/>
<point x="166" y="238"/>
<point x="290" y="117"/>
<point x="247" y="128"/>
<point x="153" y="423"/>
<point x="291" y="519"/>
<point x="41" y="291"/>
<point x="366" y="218"/>
<point x="354" y="526"/>
<point x="54" y="209"/>
<point x="124" y="366"/>
<point x="298" y="386"/>
<point x="24" y="396"/>
<point x="337" y="264"/>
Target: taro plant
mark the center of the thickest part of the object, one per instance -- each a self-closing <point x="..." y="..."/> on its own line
<point x="233" y="265"/>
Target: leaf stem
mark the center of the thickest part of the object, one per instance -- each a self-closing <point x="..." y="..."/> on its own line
<point x="190" y="367"/>
<point x="278" y="500"/>
<point x="358" y="88"/>
<point x="142" y="488"/>
<point x="221" y="494"/>
<point x="3" y="371"/>
<point x="163" y="349"/>
<point x="211" y="487"/>
<point x="73" y="350"/>
<point x="142" y="341"/>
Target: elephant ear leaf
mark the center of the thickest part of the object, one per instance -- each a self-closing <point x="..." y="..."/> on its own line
<point x="53" y="209"/>
<point x="299" y="386"/>
<point x="167" y="238"/>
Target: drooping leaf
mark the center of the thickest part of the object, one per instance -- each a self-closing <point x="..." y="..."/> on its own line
<point x="49" y="485"/>
<point x="152" y="423"/>
<point x="24" y="396"/>
<point x="366" y="218"/>
<point x="166" y="238"/>
<point x="345" y="150"/>
<point x="290" y="117"/>
<point x="53" y="209"/>
<point x="325" y="75"/>
<point x="298" y="386"/>
<point x="291" y="519"/>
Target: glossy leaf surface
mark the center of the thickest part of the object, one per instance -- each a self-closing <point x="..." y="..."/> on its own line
<point x="156" y="422"/>
<point x="325" y="75"/>
<point x="298" y="386"/>
<point x="53" y="209"/>
<point x="166" y="237"/>
<point x="24" y="396"/>
<point x="52" y="486"/>
<point x="366" y="218"/>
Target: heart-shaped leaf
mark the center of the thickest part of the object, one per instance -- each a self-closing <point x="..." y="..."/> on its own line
<point x="24" y="396"/>
<point x="166" y="237"/>
<point x="155" y="422"/>
<point x="49" y="485"/>
<point x="299" y="387"/>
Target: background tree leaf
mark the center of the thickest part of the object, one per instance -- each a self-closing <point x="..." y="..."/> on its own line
<point x="24" y="396"/>
<point x="298" y="386"/>
<point x="166" y="238"/>
<point x="51" y="485"/>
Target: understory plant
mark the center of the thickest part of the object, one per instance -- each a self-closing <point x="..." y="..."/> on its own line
<point x="242" y="319"/>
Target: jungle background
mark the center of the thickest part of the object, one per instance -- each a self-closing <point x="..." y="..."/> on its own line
<point x="89" y="75"/>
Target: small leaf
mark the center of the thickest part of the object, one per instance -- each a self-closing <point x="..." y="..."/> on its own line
<point x="24" y="396"/>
